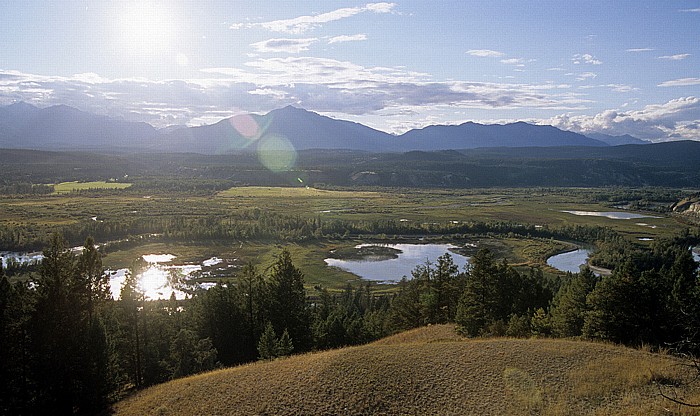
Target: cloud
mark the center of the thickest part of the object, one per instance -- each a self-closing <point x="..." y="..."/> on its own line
<point x="672" y="120"/>
<point x="690" y="10"/>
<point x="347" y="38"/>
<point x="585" y="59"/>
<point x="612" y="87"/>
<point x="284" y="45"/>
<point x="513" y="61"/>
<point x="640" y="50"/>
<point x="302" y="24"/>
<point x="677" y="57"/>
<point x="485" y="53"/>
<point x="682" y="82"/>
<point x="585" y="76"/>
<point x="318" y="84"/>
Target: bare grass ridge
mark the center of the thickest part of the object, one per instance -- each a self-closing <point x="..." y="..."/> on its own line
<point x="432" y="370"/>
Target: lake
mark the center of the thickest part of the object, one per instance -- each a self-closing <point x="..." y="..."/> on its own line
<point x="615" y="215"/>
<point x="570" y="261"/>
<point x="392" y="270"/>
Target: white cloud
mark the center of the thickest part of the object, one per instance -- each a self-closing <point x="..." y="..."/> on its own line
<point x="485" y="53"/>
<point x="677" y="57"/>
<point x="682" y="82"/>
<point x="586" y="76"/>
<point x="612" y="87"/>
<point x="323" y="85"/>
<point x="513" y="61"/>
<point x="585" y="59"/>
<point x="675" y="119"/>
<point x="302" y="24"/>
<point x="284" y="45"/>
<point x="691" y="10"/>
<point x="347" y="38"/>
<point x="640" y="50"/>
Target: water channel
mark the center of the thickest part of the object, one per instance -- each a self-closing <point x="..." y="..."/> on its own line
<point x="615" y="215"/>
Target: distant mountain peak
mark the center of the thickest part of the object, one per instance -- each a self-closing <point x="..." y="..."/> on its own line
<point x="22" y="105"/>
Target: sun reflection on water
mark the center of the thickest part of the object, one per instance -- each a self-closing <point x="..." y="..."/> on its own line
<point x="158" y="281"/>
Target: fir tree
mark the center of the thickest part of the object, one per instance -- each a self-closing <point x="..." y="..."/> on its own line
<point x="267" y="345"/>
<point x="284" y="345"/>
<point x="288" y="308"/>
<point x="477" y="305"/>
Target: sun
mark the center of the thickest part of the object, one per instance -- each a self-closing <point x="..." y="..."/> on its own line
<point x="146" y="28"/>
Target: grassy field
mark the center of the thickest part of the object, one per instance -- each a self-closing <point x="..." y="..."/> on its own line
<point x="67" y="187"/>
<point x="524" y="206"/>
<point x="432" y="371"/>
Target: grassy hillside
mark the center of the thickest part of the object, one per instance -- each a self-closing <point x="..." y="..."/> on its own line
<point x="431" y="371"/>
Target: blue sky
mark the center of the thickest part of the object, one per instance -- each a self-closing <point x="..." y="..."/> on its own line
<point x="609" y="66"/>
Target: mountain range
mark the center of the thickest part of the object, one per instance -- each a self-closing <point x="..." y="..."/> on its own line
<point x="65" y="128"/>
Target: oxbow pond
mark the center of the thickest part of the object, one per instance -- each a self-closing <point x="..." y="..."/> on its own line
<point x="393" y="270"/>
<point x="571" y="261"/>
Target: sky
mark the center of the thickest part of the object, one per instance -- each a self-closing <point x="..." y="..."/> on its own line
<point x="615" y="67"/>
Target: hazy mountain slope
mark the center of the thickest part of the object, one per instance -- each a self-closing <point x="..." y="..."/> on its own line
<point x="63" y="127"/>
<point x="680" y="153"/>
<point x="286" y="128"/>
<point x="616" y="140"/>
<point x="427" y="371"/>
<point x="472" y="135"/>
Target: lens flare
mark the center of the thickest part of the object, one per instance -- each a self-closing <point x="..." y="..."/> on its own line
<point x="246" y="126"/>
<point x="277" y="153"/>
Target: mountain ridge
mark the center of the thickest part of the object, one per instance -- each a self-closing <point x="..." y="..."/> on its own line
<point x="62" y="127"/>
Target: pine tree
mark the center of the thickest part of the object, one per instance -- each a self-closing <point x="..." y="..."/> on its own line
<point x="569" y="307"/>
<point x="252" y="287"/>
<point x="130" y="307"/>
<point x="284" y="345"/>
<point x="288" y="308"/>
<point x="476" y="309"/>
<point x="91" y="283"/>
<point x="267" y="345"/>
<point x="618" y="309"/>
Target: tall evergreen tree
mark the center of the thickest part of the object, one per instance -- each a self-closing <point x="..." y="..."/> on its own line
<point x="618" y="309"/>
<point x="91" y="283"/>
<point x="569" y="306"/>
<point x="288" y="308"/>
<point x="267" y="345"/>
<point x="478" y="302"/>
<point x="131" y="301"/>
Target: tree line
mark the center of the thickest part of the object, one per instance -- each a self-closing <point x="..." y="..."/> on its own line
<point x="257" y="224"/>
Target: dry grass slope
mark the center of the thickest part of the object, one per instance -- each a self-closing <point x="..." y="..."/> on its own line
<point x="430" y="371"/>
